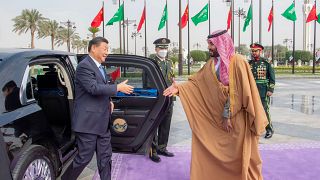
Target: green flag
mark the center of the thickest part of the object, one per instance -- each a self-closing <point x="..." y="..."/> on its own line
<point x="248" y="19"/>
<point x="318" y="18"/>
<point x="118" y="16"/>
<point x="163" y="18"/>
<point x="201" y="16"/>
<point x="290" y="13"/>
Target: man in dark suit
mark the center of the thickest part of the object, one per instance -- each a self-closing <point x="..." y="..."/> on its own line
<point x="92" y="110"/>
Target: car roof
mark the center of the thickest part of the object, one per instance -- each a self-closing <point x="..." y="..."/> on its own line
<point x="27" y="54"/>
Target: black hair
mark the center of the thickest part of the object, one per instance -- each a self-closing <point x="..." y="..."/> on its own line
<point x="96" y="41"/>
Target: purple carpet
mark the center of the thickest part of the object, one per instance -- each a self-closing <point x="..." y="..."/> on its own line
<point x="280" y="162"/>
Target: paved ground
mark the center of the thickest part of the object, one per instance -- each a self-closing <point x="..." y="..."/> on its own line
<point x="295" y="111"/>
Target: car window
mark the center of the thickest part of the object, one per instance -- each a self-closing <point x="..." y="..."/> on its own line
<point x="74" y="61"/>
<point x="136" y="77"/>
<point x="47" y="76"/>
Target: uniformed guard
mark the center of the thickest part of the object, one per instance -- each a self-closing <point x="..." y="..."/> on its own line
<point x="159" y="144"/>
<point x="265" y="78"/>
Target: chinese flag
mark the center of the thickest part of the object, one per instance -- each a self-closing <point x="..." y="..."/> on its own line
<point x="185" y="17"/>
<point x="98" y="19"/>
<point x="229" y="19"/>
<point x="313" y="14"/>
<point x="142" y="19"/>
<point x="115" y="74"/>
<point x="270" y="18"/>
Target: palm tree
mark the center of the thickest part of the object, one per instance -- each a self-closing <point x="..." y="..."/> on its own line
<point x="63" y="36"/>
<point x="85" y="44"/>
<point x="76" y="43"/>
<point x="49" y="28"/>
<point x="93" y="30"/>
<point x="28" y="20"/>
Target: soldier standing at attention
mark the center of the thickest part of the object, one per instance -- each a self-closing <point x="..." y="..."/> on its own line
<point x="160" y="141"/>
<point x="264" y="75"/>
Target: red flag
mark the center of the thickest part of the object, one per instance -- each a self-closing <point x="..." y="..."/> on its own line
<point x="270" y="18"/>
<point x="142" y="19"/>
<point x="313" y="14"/>
<point x="115" y="74"/>
<point x="229" y="19"/>
<point x="185" y="17"/>
<point x="98" y="19"/>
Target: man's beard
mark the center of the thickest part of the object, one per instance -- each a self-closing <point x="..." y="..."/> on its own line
<point x="256" y="56"/>
<point x="213" y="53"/>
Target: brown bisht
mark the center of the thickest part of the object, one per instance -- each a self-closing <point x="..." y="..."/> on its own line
<point x="217" y="154"/>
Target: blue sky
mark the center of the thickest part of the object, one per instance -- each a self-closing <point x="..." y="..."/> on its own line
<point x="83" y="11"/>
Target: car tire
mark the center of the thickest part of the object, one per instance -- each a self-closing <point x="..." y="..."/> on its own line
<point x="34" y="162"/>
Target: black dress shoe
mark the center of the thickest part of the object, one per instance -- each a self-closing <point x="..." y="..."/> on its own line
<point x="165" y="153"/>
<point x="268" y="134"/>
<point x="154" y="157"/>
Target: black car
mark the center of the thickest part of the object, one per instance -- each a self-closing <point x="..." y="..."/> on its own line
<point x="37" y="105"/>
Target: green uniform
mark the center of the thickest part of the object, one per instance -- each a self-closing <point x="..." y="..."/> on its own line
<point x="264" y="75"/>
<point x="166" y="67"/>
<point x="160" y="142"/>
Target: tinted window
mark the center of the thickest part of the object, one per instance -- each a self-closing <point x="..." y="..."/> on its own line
<point x="136" y="77"/>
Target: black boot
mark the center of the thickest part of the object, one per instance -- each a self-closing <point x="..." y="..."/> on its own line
<point x="269" y="134"/>
<point x="154" y="156"/>
<point x="165" y="152"/>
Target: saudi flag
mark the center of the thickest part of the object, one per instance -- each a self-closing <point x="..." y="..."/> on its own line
<point x="318" y="18"/>
<point x="163" y="18"/>
<point x="201" y="16"/>
<point x="118" y="16"/>
<point x="248" y="19"/>
<point x="290" y="13"/>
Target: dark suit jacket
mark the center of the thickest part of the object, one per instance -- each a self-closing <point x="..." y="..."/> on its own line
<point x="92" y="99"/>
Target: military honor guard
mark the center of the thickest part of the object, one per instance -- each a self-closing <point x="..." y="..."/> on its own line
<point x="159" y="144"/>
<point x="265" y="79"/>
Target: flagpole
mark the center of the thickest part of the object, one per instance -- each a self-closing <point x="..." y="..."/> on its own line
<point x="145" y="29"/>
<point x="188" y="40"/>
<point x="180" y="42"/>
<point x="232" y="20"/>
<point x="167" y="28"/>
<point x="124" y="31"/>
<point x="127" y="35"/>
<point x="251" y="22"/>
<point x="239" y="15"/>
<point x="294" y="41"/>
<point x="103" y="19"/>
<point x="272" y="48"/>
<point x="120" y="40"/>
<point x="260" y="19"/>
<point x="209" y="17"/>
<point x="314" y="43"/>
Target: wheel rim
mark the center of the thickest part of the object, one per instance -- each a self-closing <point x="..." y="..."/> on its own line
<point x="38" y="170"/>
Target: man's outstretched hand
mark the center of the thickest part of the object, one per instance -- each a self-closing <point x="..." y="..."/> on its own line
<point x="172" y="90"/>
<point x="124" y="87"/>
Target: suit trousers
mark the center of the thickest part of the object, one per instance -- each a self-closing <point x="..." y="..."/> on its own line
<point x="87" y="145"/>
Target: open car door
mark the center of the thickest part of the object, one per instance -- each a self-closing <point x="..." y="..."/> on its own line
<point x="136" y="116"/>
